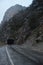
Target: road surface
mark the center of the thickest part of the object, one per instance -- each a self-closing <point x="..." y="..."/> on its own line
<point x="18" y="55"/>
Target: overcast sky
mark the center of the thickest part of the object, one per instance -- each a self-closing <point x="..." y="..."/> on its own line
<point x="5" y="4"/>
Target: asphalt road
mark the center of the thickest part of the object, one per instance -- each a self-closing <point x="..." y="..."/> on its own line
<point x="17" y="55"/>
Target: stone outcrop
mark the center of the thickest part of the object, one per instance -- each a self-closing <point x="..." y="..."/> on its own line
<point x="21" y="26"/>
<point x="12" y="11"/>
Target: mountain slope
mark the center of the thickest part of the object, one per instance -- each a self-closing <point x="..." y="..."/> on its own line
<point x="12" y="11"/>
<point x="21" y="25"/>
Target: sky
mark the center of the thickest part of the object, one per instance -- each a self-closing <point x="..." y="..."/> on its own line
<point x="5" y="4"/>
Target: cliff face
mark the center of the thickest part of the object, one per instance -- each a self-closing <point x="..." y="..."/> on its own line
<point x="12" y="11"/>
<point x="21" y="26"/>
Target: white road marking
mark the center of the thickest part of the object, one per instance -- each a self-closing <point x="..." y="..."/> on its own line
<point x="9" y="57"/>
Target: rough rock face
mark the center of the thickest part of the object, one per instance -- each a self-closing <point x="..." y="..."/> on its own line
<point x="12" y="11"/>
<point x="21" y="26"/>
